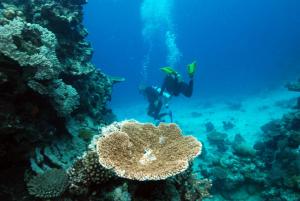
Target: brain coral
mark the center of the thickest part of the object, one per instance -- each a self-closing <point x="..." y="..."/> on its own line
<point x="49" y="184"/>
<point x="145" y="152"/>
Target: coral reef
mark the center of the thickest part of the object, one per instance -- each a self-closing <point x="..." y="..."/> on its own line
<point x="269" y="170"/>
<point x="218" y="140"/>
<point x="209" y="127"/>
<point x="44" y="56"/>
<point x="145" y="152"/>
<point x="294" y="86"/>
<point x="279" y="148"/>
<point x="89" y="180"/>
<point x="191" y="187"/>
<point x="236" y="173"/>
<point x="227" y="125"/>
<point x="87" y="171"/>
<point x="120" y="193"/>
<point x="31" y="46"/>
<point x="53" y="103"/>
<point x="50" y="90"/>
<point x="50" y="184"/>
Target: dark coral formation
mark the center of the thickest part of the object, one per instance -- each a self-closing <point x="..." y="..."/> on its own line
<point x="270" y="170"/>
<point x="86" y="172"/>
<point x="280" y="149"/>
<point x="50" y="184"/>
<point x="183" y="187"/>
<point x="90" y="180"/>
<point x="190" y="187"/>
<point x="294" y="86"/>
<point x="50" y="90"/>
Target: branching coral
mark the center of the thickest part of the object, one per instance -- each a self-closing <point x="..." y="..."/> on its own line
<point x="144" y="152"/>
<point x="86" y="171"/>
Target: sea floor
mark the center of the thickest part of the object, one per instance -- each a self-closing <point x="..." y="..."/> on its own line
<point x="247" y="114"/>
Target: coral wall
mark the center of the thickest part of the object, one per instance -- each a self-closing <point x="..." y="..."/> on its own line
<point x="53" y="99"/>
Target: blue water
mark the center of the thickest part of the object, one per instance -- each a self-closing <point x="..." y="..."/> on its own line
<point x="242" y="47"/>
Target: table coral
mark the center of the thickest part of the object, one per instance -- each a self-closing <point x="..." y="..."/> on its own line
<point x="144" y="152"/>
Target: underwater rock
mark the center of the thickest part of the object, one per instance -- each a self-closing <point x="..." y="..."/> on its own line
<point x="234" y="105"/>
<point x="218" y="139"/>
<point x="272" y="128"/>
<point x="219" y="173"/>
<point x="209" y="127"/>
<point x="291" y="121"/>
<point x="227" y="125"/>
<point x="244" y="150"/>
<point x="293" y="86"/>
<point x="294" y="139"/>
<point x="238" y="138"/>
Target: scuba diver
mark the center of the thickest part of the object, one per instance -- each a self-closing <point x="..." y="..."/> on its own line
<point x="174" y="84"/>
<point x="156" y="102"/>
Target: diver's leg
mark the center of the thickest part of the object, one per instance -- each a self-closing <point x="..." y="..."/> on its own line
<point x="151" y="110"/>
<point x="171" y="116"/>
<point x="157" y="110"/>
<point x="187" y="89"/>
<point x="162" y="115"/>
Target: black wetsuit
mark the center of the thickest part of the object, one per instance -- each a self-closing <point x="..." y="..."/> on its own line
<point x="155" y="103"/>
<point x="174" y="86"/>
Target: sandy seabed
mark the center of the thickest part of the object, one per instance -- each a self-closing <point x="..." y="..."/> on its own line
<point x="247" y="114"/>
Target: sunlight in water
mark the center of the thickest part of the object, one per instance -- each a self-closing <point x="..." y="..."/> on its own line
<point x="157" y="22"/>
<point x="174" y="53"/>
